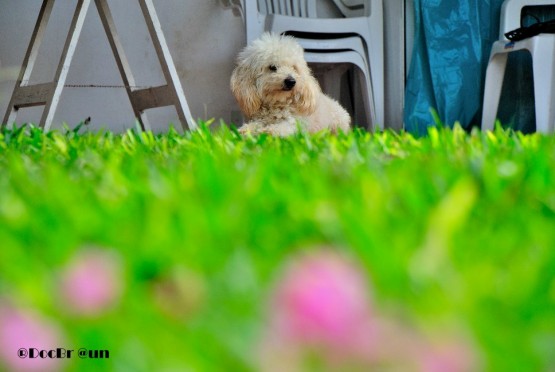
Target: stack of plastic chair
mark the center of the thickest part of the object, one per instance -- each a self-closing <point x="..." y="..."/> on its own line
<point x="542" y="49"/>
<point x="355" y="39"/>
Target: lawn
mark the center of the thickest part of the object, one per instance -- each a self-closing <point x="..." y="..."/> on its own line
<point x="208" y="251"/>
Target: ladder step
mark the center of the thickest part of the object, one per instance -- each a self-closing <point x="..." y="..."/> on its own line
<point x="33" y="95"/>
<point x="147" y="98"/>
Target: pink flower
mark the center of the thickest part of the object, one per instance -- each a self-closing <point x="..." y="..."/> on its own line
<point x="27" y="330"/>
<point x="322" y="299"/>
<point x="448" y="357"/>
<point x="321" y="311"/>
<point x="92" y="282"/>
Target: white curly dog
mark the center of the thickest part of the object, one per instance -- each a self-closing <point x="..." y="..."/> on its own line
<point x="277" y="92"/>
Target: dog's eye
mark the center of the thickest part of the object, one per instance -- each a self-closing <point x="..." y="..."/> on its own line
<point x="272" y="68"/>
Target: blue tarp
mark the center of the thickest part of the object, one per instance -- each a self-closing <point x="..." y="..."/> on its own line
<point x="453" y="40"/>
<point x="451" y="47"/>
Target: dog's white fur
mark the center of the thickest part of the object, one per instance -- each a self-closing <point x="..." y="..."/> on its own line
<point x="258" y="83"/>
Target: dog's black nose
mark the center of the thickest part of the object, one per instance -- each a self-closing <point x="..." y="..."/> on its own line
<point x="289" y="83"/>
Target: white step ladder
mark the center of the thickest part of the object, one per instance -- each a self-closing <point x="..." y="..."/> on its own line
<point x="48" y="94"/>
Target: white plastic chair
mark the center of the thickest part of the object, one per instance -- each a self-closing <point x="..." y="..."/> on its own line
<point x="331" y="35"/>
<point x="542" y="49"/>
<point x="368" y="26"/>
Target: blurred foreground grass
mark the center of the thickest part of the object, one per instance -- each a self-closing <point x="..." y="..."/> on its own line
<point x="168" y="250"/>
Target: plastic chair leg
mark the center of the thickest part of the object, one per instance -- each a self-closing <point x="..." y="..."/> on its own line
<point x="361" y="115"/>
<point x="368" y="100"/>
<point x="495" y="74"/>
<point x="544" y="84"/>
<point x="377" y="76"/>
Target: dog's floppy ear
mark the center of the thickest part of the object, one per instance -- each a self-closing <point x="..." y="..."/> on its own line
<point x="243" y="86"/>
<point x="307" y="94"/>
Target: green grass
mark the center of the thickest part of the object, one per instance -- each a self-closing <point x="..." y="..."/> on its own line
<point x="455" y="230"/>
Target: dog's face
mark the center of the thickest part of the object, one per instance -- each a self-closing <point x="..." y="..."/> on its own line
<point x="272" y="73"/>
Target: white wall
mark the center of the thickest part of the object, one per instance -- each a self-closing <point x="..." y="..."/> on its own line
<point x="203" y="37"/>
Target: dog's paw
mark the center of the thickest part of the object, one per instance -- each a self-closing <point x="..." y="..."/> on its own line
<point x="249" y="128"/>
<point x="245" y="129"/>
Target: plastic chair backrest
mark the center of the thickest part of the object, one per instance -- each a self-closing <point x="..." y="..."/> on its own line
<point x="294" y="8"/>
<point x="305" y="8"/>
<point x="353" y="8"/>
<point x="511" y="14"/>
